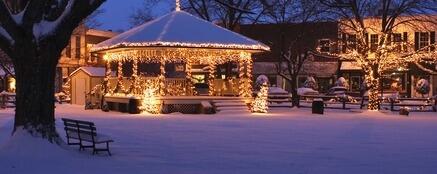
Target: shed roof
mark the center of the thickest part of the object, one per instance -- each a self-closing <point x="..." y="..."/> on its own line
<point x="92" y="71"/>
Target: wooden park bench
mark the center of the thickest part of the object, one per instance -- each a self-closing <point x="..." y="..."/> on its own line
<point x="85" y="131"/>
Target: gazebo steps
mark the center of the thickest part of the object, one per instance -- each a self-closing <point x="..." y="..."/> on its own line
<point x="233" y="108"/>
<point x="232" y="112"/>
<point x="236" y="105"/>
<point x="223" y="104"/>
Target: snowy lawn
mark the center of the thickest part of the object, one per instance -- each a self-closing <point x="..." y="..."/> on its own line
<point x="280" y="142"/>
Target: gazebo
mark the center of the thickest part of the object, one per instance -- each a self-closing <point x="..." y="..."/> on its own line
<point x="179" y="55"/>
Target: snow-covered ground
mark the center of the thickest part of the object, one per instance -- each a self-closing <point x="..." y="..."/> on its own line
<point x="280" y="142"/>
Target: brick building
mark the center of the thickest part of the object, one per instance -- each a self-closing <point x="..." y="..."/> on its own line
<point x="306" y="36"/>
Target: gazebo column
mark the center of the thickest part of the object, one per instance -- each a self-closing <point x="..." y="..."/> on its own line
<point x="211" y="77"/>
<point x="161" y="78"/>
<point x="134" y="87"/>
<point x="106" y="83"/>
<point x="245" y="75"/>
<point x="119" y="86"/>
<point x="189" y="66"/>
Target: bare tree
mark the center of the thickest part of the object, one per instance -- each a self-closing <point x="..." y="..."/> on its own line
<point x="92" y="20"/>
<point x="33" y="34"/>
<point x="143" y="14"/>
<point x="361" y="17"/>
<point x="294" y="47"/>
<point x="229" y="13"/>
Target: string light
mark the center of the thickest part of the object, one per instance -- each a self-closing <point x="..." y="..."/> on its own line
<point x="211" y="78"/>
<point x="151" y="103"/>
<point x="178" y="87"/>
<point x="260" y="104"/>
<point x="259" y="47"/>
<point x="387" y="56"/>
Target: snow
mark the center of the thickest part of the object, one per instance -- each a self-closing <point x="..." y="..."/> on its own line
<point x="350" y="66"/>
<point x="283" y="141"/>
<point x="277" y="90"/>
<point x="45" y="28"/>
<point x="92" y="71"/>
<point x="307" y="91"/>
<point x="18" y="18"/>
<point x="180" y="29"/>
<point x="5" y="34"/>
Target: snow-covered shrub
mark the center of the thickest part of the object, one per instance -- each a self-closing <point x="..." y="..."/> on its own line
<point x="260" y="80"/>
<point x="423" y="87"/>
<point x="310" y="82"/>
<point x="342" y="82"/>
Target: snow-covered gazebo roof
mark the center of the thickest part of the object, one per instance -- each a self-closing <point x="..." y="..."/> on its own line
<point x="181" y="29"/>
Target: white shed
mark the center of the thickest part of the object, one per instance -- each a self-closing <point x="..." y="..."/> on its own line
<point x="83" y="80"/>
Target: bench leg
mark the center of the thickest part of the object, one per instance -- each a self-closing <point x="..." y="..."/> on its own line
<point x="107" y="148"/>
<point x="96" y="150"/>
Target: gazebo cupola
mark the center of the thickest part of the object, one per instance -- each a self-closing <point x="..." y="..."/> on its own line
<point x="190" y="45"/>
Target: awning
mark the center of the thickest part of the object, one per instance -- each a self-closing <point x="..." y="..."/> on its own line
<point x="350" y="66"/>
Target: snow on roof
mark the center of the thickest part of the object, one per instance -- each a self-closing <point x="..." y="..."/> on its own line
<point x="181" y="29"/>
<point x="92" y="71"/>
<point x="350" y="66"/>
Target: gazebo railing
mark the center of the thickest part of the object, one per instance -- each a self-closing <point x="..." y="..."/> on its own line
<point x="177" y="87"/>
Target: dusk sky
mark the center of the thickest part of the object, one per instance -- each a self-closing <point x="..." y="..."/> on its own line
<point x="117" y="12"/>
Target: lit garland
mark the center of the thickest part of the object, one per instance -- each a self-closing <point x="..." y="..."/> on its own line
<point x="107" y="83"/>
<point x="211" y="57"/>
<point x="260" y="104"/>
<point x="211" y="77"/>
<point x="260" y="47"/>
<point x="245" y="75"/>
<point x="135" y="81"/>
<point x="119" y="87"/>
<point x="161" y="78"/>
<point x="151" y="102"/>
<point x="188" y="69"/>
<point x="199" y="56"/>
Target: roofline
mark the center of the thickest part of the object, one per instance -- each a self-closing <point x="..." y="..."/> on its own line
<point x="118" y="47"/>
<point x="80" y="68"/>
<point x="101" y="33"/>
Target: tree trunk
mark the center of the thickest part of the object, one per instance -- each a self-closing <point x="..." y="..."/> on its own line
<point x="373" y="84"/>
<point x="295" y="97"/>
<point x="35" y="77"/>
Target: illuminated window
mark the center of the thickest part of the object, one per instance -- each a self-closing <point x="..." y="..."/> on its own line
<point x="397" y="41"/>
<point x="423" y="40"/>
